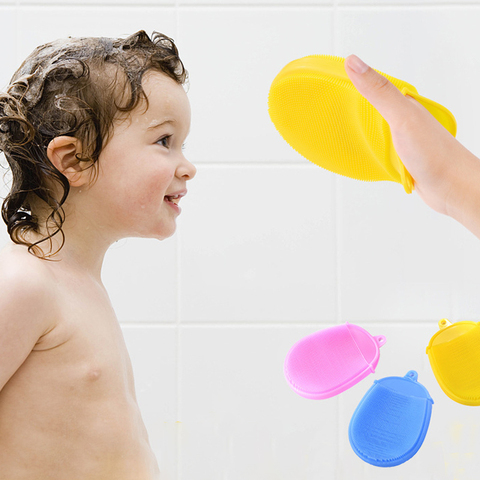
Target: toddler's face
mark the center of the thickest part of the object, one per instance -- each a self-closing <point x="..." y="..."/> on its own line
<point x="142" y="169"/>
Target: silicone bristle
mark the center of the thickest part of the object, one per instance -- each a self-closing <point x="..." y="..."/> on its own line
<point x="331" y="57"/>
<point x="383" y="432"/>
<point x="326" y="121"/>
<point x="312" y="367"/>
<point x="459" y="360"/>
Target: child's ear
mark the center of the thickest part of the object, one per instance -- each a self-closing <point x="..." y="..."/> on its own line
<point x="62" y="153"/>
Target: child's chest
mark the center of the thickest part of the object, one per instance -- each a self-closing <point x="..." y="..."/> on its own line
<point x="86" y="346"/>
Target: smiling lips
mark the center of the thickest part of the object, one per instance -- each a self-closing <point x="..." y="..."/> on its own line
<point x="174" y="198"/>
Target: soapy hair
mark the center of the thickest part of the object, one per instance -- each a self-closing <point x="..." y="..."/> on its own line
<point x="75" y="87"/>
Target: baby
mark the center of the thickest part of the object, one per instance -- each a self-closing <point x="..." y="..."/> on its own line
<point x="92" y="129"/>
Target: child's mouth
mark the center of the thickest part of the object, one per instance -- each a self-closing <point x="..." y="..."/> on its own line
<point x="173" y="199"/>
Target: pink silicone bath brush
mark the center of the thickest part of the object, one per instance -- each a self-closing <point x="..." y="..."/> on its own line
<point x="328" y="362"/>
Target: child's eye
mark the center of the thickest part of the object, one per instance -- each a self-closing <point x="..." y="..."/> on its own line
<point x="164" y="141"/>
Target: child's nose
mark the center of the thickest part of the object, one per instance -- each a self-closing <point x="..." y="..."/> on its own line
<point x="186" y="170"/>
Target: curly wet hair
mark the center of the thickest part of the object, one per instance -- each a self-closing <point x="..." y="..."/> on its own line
<point x="75" y="87"/>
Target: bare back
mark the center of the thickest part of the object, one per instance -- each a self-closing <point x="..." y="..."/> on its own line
<point x="70" y="411"/>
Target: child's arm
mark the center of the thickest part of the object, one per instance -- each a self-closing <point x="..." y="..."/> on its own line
<point x="25" y="306"/>
<point x="445" y="173"/>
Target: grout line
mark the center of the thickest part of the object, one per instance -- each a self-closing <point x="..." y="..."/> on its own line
<point x="178" y="450"/>
<point x="177" y="5"/>
<point x="318" y="325"/>
<point x="337" y="250"/>
<point x="259" y="323"/>
<point x="178" y="464"/>
<point x="18" y="60"/>
<point x="178" y="355"/>
<point x="357" y="6"/>
<point x="407" y="6"/>
<point x="260" y="163"/>
<point x="103" y="5"/>
<point x="148" y="324"/>
<point x="336" y="194"/>
<point x="255" y="6"/>
<point x="177" y="18"/>
<point x="335" y="189"/>
<point x="206" y="6"/>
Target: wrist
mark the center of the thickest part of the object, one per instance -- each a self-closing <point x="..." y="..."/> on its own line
<point x="462" y="201"/>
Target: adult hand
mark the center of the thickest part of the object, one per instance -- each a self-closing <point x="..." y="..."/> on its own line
<point x="446" y="175"/>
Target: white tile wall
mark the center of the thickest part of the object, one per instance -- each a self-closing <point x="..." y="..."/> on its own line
<point x="8" y="14"/>
<point x="393" y="255"/>
<point x="233" y="55"/>
<point x="141" y="278"/>
<point x="270" y="248"/>
<point x="235" y="400"/>
<point x="261" y="256"/>
<point x="156" y="387"/>
<point x="84" y="21"/>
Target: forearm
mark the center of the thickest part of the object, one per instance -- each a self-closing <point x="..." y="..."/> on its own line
<point x="463" y="201"/>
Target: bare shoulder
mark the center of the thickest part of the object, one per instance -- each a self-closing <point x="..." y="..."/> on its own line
<point x="23" y="276"/>
<point x="17" y="265"/>
<point x="25" y="302"/>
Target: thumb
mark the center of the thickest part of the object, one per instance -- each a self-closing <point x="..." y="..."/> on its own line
<point x="378" y="90"/>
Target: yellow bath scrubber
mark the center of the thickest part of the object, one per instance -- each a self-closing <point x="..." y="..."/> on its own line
<point x="454" y="354"/>
<point x="319" y="112"/>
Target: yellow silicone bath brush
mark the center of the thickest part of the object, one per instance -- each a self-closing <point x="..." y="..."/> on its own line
<point x="320" y="113"/>
<point x="454" y="354"/>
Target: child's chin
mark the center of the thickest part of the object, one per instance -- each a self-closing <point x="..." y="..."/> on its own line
<point x="166" y="233"/>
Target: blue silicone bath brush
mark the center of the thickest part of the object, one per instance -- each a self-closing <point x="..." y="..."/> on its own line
<point x="391" y="421"/>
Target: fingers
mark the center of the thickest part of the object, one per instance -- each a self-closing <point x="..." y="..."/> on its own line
<point x="378" y="90"/>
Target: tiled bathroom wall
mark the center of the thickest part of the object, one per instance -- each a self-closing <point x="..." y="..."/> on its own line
<point x="270" y="248"/>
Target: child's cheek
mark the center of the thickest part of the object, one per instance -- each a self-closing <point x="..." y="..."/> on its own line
<point x="151" y="189"/>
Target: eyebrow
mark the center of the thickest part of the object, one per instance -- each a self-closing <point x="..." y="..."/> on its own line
<point x="157" y="125"/>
